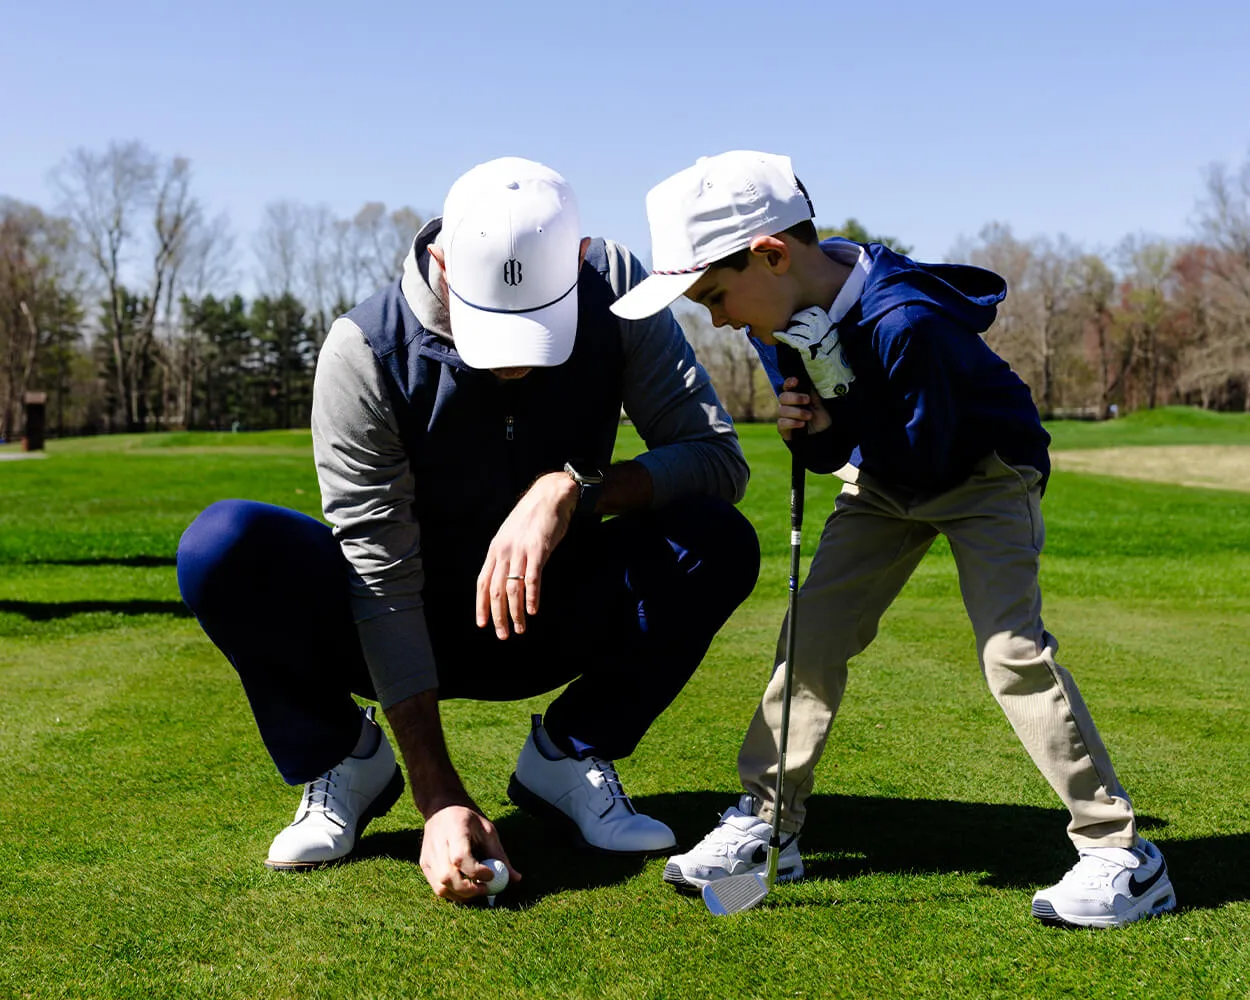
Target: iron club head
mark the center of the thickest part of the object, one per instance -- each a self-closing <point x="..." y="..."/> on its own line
<point x="727" y="896"/>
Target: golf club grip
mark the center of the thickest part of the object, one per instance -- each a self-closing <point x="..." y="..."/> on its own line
<point x="797" y="478"/>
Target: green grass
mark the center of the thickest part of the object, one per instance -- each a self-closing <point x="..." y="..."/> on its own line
<point x="1167" y="425"/>
<point x="140" y="801"/>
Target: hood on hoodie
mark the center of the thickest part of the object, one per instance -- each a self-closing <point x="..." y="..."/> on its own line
<point x="969" y="295"/>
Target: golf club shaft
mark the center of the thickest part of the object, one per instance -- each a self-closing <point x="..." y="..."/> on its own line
<point x="797" y="479"/>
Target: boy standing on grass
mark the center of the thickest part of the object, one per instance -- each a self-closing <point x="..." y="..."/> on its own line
<point x="879" y="362"/>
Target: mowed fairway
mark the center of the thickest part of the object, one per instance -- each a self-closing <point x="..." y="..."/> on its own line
<point x="140" y="803"/>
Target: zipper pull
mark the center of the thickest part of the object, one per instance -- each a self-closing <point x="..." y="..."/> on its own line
<point x="508" y="422"/>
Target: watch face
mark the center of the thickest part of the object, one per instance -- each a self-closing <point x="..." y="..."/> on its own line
<point x="584" y="473"/>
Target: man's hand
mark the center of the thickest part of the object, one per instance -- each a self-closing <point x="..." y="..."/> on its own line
<point x="509" y="585"/>
<point x="455" y="840"/>
<point x="797" y="410"/>
<point x="814" y="336"/>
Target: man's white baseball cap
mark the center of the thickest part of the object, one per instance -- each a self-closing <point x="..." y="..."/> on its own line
<point x="707" y="212"/>
<point x="511" y="237"/>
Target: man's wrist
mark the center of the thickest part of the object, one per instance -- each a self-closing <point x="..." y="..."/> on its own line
<point x="438" y="804"/>
<point x="563" y="488"/>
<point x="589" y="482"/>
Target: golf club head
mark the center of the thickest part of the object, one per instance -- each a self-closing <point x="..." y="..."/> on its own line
<point x="731" y="895"/>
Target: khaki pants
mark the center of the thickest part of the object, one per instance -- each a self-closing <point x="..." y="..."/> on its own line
<point x="871" y="544"/>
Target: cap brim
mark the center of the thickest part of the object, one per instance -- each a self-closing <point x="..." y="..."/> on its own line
<point x="653" y="293"/>
<point x="540" y="339"/>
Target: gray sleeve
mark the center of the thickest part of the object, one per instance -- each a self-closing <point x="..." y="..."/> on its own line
<point x="367" y="491"/>
<point x="691" y="441"/>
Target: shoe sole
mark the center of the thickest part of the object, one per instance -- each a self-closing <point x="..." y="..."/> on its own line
<point x="540" y="808"/>
<point x="380" y="806"/>
<point x="674" y="876"/>
<point x="1160" y="901"/>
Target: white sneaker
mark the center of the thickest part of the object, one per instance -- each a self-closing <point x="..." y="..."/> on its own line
<point x="737" y="846"/>
<point x="1109" y="887"/>
<point x="584" y="796"/>
<point x="337" y="806"/>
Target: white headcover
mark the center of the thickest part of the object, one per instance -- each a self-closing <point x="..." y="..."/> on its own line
<point x="511" y="235"/>
<point x="707" y="212"/>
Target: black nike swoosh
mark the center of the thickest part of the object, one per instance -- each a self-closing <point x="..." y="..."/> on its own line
<point x="760" y="855"/>
<point x="1137" y="887"/>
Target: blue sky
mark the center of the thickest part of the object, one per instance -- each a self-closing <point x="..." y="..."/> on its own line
<point x="925" y="121"/>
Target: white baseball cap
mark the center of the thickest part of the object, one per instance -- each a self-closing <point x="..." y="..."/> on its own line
<point x="511" y="237"/>
<point x="707" y="212"/>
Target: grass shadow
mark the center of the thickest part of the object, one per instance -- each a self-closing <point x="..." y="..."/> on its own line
<point x="141" y="561"/>
<point x="43" y="611"/>
<point x="1015" y="846"/>
<point x="846" y="836"/>
<point x="548" y="860"/>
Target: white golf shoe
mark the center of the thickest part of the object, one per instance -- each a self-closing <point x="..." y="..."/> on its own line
<point x="337" y="806"/>
<point x="585" y="797"/>
<point x="738" y="845"/>
<point x="1109" y="887"/>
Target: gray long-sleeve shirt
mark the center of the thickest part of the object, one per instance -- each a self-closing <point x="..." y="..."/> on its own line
<point x="367" y="484"/>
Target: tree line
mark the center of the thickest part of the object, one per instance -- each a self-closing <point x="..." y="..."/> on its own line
<point x="122" y="304"/>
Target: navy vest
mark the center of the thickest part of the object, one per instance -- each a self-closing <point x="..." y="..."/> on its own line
<point x="476" y="442"/>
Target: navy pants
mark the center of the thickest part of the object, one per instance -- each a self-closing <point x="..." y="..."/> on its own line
<point x="627" y="614"/>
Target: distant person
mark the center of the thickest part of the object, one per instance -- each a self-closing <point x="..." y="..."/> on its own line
<point x="463" y="425"/>
<point x="879" y="362"/>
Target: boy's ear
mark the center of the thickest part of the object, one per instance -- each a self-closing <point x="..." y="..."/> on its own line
<point x="772" y="251"/>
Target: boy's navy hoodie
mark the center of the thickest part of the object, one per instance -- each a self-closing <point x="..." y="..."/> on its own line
<point x="930" y="398"/>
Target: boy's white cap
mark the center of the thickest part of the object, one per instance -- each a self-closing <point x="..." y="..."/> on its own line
<point x="707" y="212"/>
<point x="511" y="235"/>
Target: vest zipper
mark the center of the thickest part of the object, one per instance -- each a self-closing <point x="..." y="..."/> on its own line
<point x="508" y="423"/>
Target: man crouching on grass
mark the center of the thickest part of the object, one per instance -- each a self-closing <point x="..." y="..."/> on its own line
<point x="463" y="424"/>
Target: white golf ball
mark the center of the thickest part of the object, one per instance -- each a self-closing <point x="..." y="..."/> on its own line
<point x="499" y="880"/>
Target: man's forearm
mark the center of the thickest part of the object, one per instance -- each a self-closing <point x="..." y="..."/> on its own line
<point x="627" y="486"/>
<point x="419" y="732"/>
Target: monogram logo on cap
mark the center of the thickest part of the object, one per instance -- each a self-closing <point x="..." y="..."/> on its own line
<point x="512" y="271"/>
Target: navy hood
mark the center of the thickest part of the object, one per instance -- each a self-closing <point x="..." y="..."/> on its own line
<point x="930" y="398"/>
<point x="968" y="295"/>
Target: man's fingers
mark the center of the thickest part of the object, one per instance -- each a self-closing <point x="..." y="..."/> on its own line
<point x="492" y="848"/>
<point x="473" y="870"/>
<point x="445" y="878"/>
<point x="499" y="602"/>
<point x="484" y="578"/>
<point x="533" y="588"/>
<point x="514" y="588"/>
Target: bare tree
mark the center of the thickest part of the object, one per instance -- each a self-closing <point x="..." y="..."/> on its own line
<point x="127" y="206"/>
<point x="1053" y="279"/>
<point x="1039" y="328"/>
<point x="104" y="194"/>
<point x="1225" y="227"/>
<point x="279" y="247"/>
<point x="39" y="309"/>
<point x="207" y="267"/>
<point x="731" y="363"/>
<point x="1218" y="363"/>
<point x="1149" y="266"/>
<point x="330" y="263"/>
<point x="1094" y="293"/>
<point x="380" y="241"/>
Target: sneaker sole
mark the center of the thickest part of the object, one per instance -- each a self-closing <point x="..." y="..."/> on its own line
<point x="1160" y="901"/>
<point x="540" y="808"/>
<point x="674" y="876"/>
<point x="378" y="807"/>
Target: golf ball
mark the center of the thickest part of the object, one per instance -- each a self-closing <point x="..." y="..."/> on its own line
<point x="499" y="880"/>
